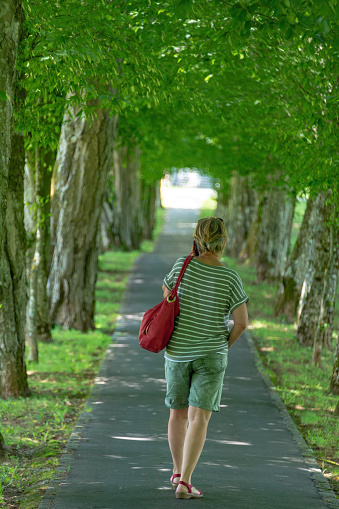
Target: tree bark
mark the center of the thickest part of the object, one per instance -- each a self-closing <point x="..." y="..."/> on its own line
<point x="126" y="229"/>
<point x="147" y="209"/>
<point x="34" y="268"/>
<point x="78" y="187"/>
<point x="126" y="224"/>
<point x="13" y="293"/>
<point x="310" y="316"/>
<point x="274" y="235"/>
<point x="37" y="223"/>
<point x="237" y="208"/>
<point x="297" y="267"/>
<point x="324" y="333"/>
<point x="11" y="17"/>
<point x="334" y="385"/>
<point x="13" y="377"/>
<point x="249" y="252"/>
<point x="331" y="283"/>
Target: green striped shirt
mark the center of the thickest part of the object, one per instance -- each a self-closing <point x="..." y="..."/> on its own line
<point x="207" y="295"/>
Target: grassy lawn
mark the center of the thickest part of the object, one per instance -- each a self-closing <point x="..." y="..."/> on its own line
<point x="36" y="429"/>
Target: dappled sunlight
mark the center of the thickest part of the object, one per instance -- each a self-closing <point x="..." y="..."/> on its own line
<point x="158" y="380"/>
<point x="100" y="380"/>
<point x="257" y="325"/>
<point x="213" y="464"/>
<point x="186" y="225"/>
<point x="228" y="442"/>
<point x="135" y="439"/>
<point x="310" y="469"/>
<point x="131" y="385"/>
<point x="115" y="457"/>
<point x="134" y="316"/>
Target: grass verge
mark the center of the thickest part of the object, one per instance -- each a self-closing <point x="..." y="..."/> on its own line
<point x="37" y="428"/>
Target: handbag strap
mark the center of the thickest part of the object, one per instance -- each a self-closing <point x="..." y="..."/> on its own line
<point x="183" y="268"/>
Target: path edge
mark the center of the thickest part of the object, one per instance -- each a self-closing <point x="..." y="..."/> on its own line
<point x="321" y="483"/>
<point x="67" y="456"/>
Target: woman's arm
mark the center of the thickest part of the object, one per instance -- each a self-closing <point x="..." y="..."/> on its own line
<point x="165" y="290"/>
<point x="240" y="318"/>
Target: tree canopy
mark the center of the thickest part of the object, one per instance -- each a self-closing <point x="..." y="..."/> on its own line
<point x="219" y="85"/>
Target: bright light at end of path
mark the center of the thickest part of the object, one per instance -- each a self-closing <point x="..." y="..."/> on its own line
<point x="185" y="197"/>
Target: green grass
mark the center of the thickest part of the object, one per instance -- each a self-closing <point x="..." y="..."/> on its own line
<point x="37" y="428"/>
<point x="208" y="207"/>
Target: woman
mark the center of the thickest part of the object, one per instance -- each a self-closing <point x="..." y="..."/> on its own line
<point x="196" y="355"/>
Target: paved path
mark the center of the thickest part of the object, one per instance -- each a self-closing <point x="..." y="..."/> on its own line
<point x="118" y="455"/>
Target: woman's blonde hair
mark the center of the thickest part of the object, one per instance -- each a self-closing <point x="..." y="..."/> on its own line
<point x="210" y="234"/>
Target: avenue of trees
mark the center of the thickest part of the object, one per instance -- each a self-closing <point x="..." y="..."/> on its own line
<point x="99" y="99"/>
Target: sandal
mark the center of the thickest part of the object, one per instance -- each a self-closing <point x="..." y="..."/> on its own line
<point x="189" y="494"/>
<point x="174" y="484"/>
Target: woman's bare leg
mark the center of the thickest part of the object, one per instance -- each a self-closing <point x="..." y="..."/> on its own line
<point x="177" y="429"/>
<point x="198" y="420"/>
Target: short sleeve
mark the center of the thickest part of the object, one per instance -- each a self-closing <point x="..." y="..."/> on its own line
<point x="171" y="278"/>
<point x="238" y="294"/>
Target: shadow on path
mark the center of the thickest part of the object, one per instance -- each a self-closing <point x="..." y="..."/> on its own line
<point x="118" y="455"/>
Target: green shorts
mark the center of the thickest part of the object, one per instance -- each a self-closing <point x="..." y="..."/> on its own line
<point x="196" y="383"/>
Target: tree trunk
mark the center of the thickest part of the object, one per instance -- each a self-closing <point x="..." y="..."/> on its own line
<point x="324" y="333"/>
<point x="78" y="187"/>
<point x="249" y="252"/>
<point x="237" y="209"/>
<point x="11" y="18"/>
<point x="3" y="449"/>
<point x="274" y="235"/>
<point x="331" y="283"/>
<point x="13" y="293"/>
<point x="37" y="203"/>
<point x="334" y="385"/>
<point x="126" y="229"/>
<point x="107" y="238"/>
<point x="147" y="209"/>
<point x="297" y="268"/>
<point x="34" y="269"/>
<point x="310" y="316"/>
<point x="13" y="377"/>
<point x="126" y="224"/>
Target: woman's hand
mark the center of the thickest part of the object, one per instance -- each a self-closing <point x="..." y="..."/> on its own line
<point x="240" y="318"/>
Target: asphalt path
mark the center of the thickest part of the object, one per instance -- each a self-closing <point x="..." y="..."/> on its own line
<point x="118" y="454"/>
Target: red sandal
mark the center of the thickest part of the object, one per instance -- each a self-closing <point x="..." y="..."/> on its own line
<point x="189" y="494"/>
<point x="174" y="484"/>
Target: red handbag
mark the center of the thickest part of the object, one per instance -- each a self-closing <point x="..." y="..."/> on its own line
<point x="158" y="323"/>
